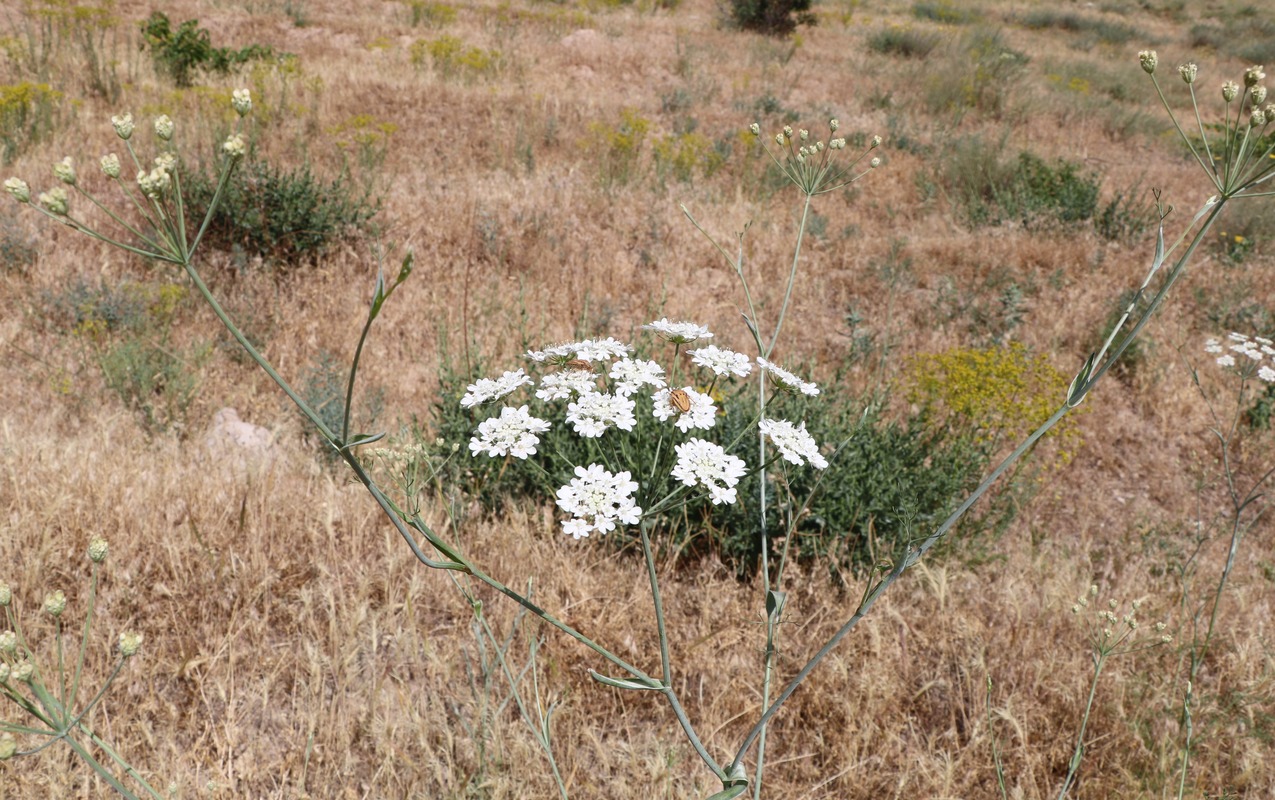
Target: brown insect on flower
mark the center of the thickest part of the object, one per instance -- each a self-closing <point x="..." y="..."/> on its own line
<point x="578" y="363"/>
<point x="679" y="399"/>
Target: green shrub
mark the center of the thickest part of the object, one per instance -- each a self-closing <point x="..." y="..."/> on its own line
<point x="322" y="386"/>
<point x="430" y="14"/>
<point x="28" y="115"/>
<point x="280" y="214"/>
<point x="899" y="40"/>
<point x="153" y="379"/>
<point x="772" y="17"/>
<point x="1103" y="30"/>
<point x="977" y="74"/>
<point x="686" y="157"/>
<point x="618" y="148"/>
<point x="451" y="57"/>
<point x="17" y="245"/>
<point x="989" y="190"/>
<point x="946" y="12"/>
<point x="1123" y="218"/>
<point x="181" y="53"/>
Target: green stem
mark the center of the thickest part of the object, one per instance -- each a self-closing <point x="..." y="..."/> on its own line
<point x="1100" y="659"/>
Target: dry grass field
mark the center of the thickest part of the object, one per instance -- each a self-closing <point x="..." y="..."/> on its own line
<point x="535" y="163"/>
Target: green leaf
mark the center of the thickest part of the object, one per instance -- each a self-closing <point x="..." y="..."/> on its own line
<point x="775" y="601"/>
<point x="359" y="439"/>
<point x="639" y="684"/>
<point x="730" y="792"/>
<point x="1078" y="390"/>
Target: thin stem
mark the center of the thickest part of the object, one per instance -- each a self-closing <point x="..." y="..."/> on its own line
<point x="792" y="277"/>
<point x="1100" y="659"/>
<point x="665" y="663"/>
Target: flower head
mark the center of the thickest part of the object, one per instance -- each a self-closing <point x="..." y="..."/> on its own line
<point x="786" y="381"/>
<point x="6" y="594"/>
<point x="679" y="332"/>
<point x="1188" y="73"/>
<point x="55" y="603"/>
<point x="485" y="390"/>
<point x="123" y="124"/>
<point x="632" y="374"/>
<point x="755" y="129"/>
<point x="23" y="671"/>
<point x="512" y="433"/>
<point x="241" y="99"/>
<point x="597" y="500"/>
<point x="18" y="188"/>
<point x="64" y="171"/>
<point x="164" y="127"/>
<point x="702" y="463"/>
<point x="98" y="548"/>
<point x="592" y="413"/>
<point x="55" y="200"/>
<point x="1257" y="95"/>
<point x="1149" y="60"/>
<point x="1229" y="91"/>
<point x="794" y="443"/>
<point x="130" y="642"/>
<point x="234" y="146"/>
<point x="154" y="183"/>
<point x="8" y="642"/>
<point x="698" y="411"/>
<point x="721" y="361"/>
<point x="111" y="165"/>
<point x="8" y="744"/>
<point x="1254" y="75"/>
<point x="567" y="383"/>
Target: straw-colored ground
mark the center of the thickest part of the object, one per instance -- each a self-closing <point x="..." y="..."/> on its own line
<point x="294" y="648"/>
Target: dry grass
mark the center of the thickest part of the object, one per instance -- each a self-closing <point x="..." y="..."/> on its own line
<point x="293" y="646"/>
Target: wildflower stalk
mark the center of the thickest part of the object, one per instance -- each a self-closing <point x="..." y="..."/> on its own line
<point x="1099" y="661"/>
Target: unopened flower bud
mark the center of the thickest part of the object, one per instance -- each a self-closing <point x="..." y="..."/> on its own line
<point x="166" y="162"/>
<point x="55" y="200"/>
<point x="1188" y="73"/>
<point x="123" y="124"/>
<point x="64" y="171"/>
<point x="755" y="129"/>
<point x="164" y="127"/>
<point x="788" y="131"/>
<point x="1254" y="76"/>
<point x="779" y="139"/>
<point x="241" y="99"/>
<point x="1257" y="95"/>
<point x="23" y="671"/>
<point x="97" y="550"/>
<point x="876" y="142"/>
<point x="874" y="163"/>
<point x="833" y="125"/>
<point x="8" y="746"/>
<point x="111" y="165"/>
<point x="130" y="641"/>
<point x="1166" y="638"/>
<point x="55" y="603"/>
<point x="1149" y="60"/>
<point x="1257" y="119"/>
<point x="804" y="134"/>
<point x="1229" y="90"/>
<point x="234" y="146"/>
<point x="18" y="188"/>
<point x="8" y="642"/>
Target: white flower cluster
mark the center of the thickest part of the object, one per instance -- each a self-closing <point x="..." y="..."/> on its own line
<point x="486" y="390"/>
<point x="596" y="500"/>
<point x="1253" y="349"/>
<point x="599" y="399"/>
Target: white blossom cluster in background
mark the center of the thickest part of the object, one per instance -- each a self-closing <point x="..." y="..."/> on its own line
<point x="600" y="389"/>
<point x="1250" y="350"/>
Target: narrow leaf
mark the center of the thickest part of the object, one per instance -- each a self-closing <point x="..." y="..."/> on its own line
<point x="649" y="684"/>
<point x="359" y="439"/>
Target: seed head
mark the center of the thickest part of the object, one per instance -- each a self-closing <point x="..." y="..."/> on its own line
<point x="154" y="183"/>
<point x="874" y="163"/>
<point x="788" y="131"/>
<point x="55" y="200"/>
<point x="1257" y="95"/>
<point x="8" y="746"/>
<point x="97" y="550"/>
<point x="1188" y="73"/>
<point x="1149" y="60"/>
<point x="779" y="139"/>
<point x="111" y="165"/>
<point x="8" y="642"/>
<point x="755" y="129"/>
<point x="241" y="99"/>
<point x="833" y="125"/>
<point x="876" y="142"/>
<point x="1257" y="119"/>
<point x="1166" y="638"/>
<point x="166" y="162"/>
<point x="804" y="134"/>
<point x="19" y="189"/>
<point x="123" y="124"/>
<point x="1254" y="76"/>
<point x="164" y="127"/>
<point x="55" y="603"/>
<point x="130" y="641"/>
<point x="1229" y="90"/>
<point x="64" y="171"/>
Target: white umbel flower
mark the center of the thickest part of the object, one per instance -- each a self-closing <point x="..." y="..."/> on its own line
<point x="597" y="500"/>
<point x="794" y="443"/>
<point x="721" y="361"/>
<point x="489" y="389"/>
<point x="512" y="433"/>
<point x="785" y="380"/>
<point x="591" y="414"/>
<point x="1267" y="374"/>
<point x="679" y="332"/>
<point x="601" y="349"/>
<point x="701" y="463"/>
<point x="565" y="384"/>
<point x="701" y="414"/>
<point x="632" y="374"/>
